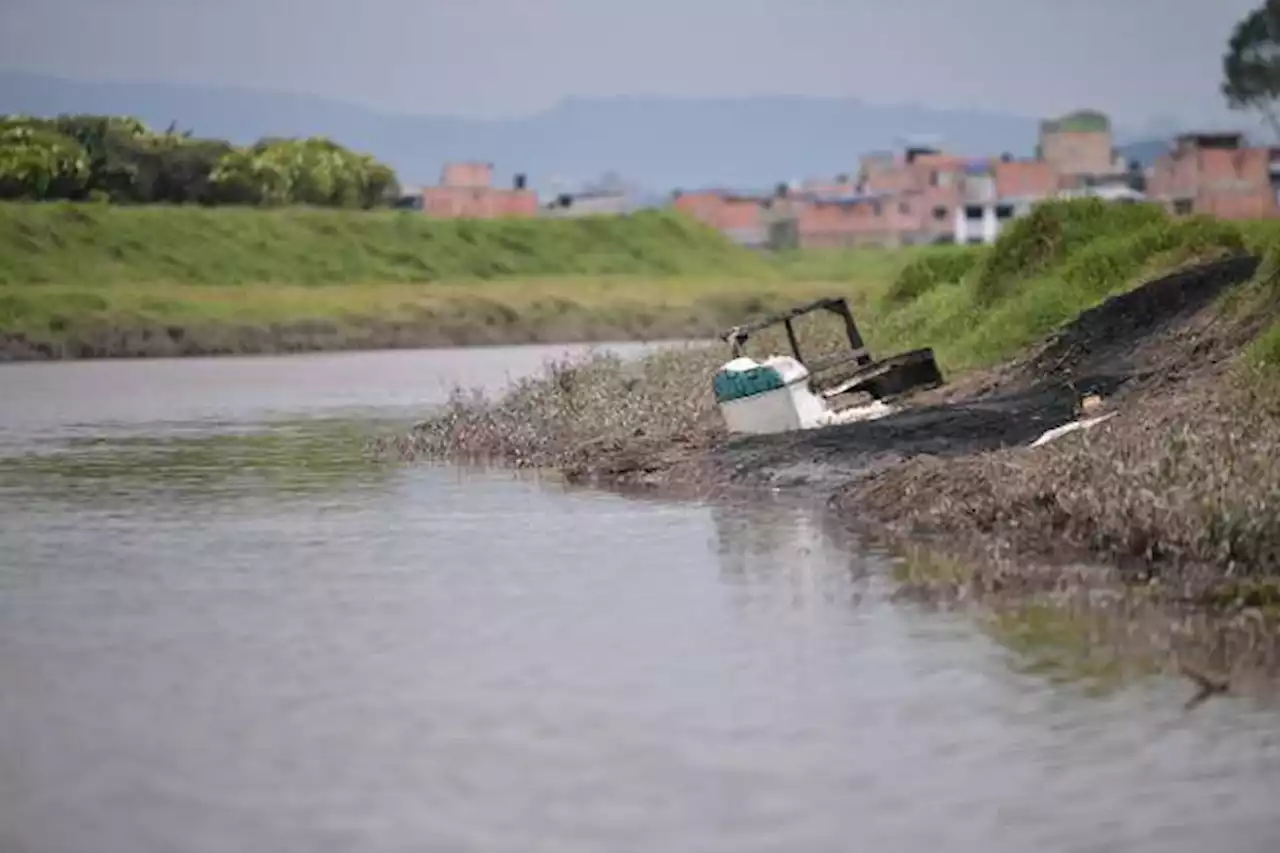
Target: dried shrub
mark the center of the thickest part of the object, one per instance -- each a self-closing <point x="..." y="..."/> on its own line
<point x="576" y="407"/>
<point x="581" y="410"/>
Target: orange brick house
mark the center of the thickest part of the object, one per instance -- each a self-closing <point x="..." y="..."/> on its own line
<point x="1217" y="174"/>
<point x="921" y="194"/>
<point x="466" y="191"/>
<point x="1025" y="179"/>
<point x="830" y="217"/>
<point x="826" y="221"/>
<point x="926" y="187"/>
<point x="740" y="215"/>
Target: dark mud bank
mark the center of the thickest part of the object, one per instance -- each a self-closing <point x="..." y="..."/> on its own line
<point x="820" y="461"/>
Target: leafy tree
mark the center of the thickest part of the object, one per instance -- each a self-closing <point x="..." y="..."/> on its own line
<point x="124" y="161"/>
<point x="109" y="142"/>
<point x="176" y="168"/>
<point x="1251" y="65"/>
<point x="244" y="176"/>
<point x="313" y="171"/>
<point x="39" y="163"/>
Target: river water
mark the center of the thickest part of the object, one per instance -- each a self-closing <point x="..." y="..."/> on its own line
<point x="224" y="629"/>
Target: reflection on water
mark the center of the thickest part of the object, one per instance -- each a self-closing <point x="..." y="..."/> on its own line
<point x="313" y="457"/>
<point x="251" y="637"/>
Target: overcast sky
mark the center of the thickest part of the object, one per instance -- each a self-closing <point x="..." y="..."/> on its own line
<point x="1136" y="59"/>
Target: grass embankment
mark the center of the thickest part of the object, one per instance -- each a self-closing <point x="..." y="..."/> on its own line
<point x="1183" y="486"/>
<point x="85" y="280"/>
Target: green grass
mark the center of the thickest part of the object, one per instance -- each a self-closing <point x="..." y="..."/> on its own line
<point x="70" y="270"/>
<point x="107" y="245"/>
<point x="66" y="269"/>
<point x="979" y="307"/>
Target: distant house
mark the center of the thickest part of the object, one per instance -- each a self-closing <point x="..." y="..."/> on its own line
<point x="921" y="194"/>
<point x="739" y="214"/>
<point x="466" y="191"/>
<point x="829" y="221"/>
<point x="1017" y="186"/>
<point x="1079" y="143"/>
<point x="926" y="186"/>
<point x="1217" y="174"/>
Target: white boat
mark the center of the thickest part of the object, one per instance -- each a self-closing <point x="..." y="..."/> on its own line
<point x="782" y="393"/>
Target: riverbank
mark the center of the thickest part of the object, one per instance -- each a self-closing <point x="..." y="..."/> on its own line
<point x="157" y="320"/>
<point x="1075" y="309"/>
<point x="100" y="281"/>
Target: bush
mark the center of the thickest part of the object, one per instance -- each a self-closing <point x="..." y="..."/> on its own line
<point x="578" y="409"/>
<point x="1112" y="260"/>
<point x="82" y="157"/>
<point x="1264" y="353"/>
<point x="38" y="162"/>
<point x="938" y="266"/>
<point x="1052" y="232"/>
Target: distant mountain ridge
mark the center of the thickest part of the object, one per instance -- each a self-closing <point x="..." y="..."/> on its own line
<point x="658" y="143"/>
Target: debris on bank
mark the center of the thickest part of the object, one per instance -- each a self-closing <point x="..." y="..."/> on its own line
<point x="784" y="393"/>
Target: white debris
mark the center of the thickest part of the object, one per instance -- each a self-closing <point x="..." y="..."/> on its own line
<point x="1058" y="432"/>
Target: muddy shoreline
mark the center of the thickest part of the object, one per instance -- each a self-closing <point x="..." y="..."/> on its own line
<point x="1151" y="339"/>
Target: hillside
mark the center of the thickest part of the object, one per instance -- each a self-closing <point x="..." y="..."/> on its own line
<point x="660" y="143"/>
<point x="98" y="245"/>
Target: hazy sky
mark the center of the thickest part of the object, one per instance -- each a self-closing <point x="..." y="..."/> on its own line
<point x="1134" y="58"/>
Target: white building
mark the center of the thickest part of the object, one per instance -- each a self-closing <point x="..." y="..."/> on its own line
<point x="982" y="212"/>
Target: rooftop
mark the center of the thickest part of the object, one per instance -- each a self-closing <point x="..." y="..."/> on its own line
<point x="845" y="198"/>
<point x="1080" y="121"/>
<point x="732" y="194"/>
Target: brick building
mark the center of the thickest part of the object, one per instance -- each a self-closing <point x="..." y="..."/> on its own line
<point x="1079" y="143"/>
<point x="828" y="222"/>
<point x="918" y="191"/>
<point x="740" y="215"/>
<point x="920" y="194"/>
<point x="1217" y="174"/>
<point x="1025" y="179"/>
<point x="466" y="191"/>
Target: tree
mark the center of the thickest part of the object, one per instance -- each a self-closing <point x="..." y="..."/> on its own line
<point x="38" y="163"/>
<point x="1251" y="65"/>
<point x="313" y="171"/>
<point x="121" y="159"/>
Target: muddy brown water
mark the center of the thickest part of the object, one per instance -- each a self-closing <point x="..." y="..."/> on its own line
<point x="222" y="628"/>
